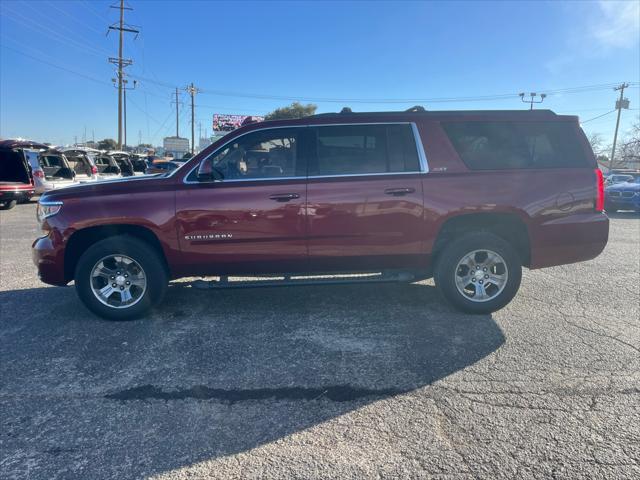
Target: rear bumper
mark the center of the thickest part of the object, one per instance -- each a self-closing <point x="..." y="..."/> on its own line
<point x="570" y="239"/>
<point x="48" y="257"/>
<point x="21" y="195"/>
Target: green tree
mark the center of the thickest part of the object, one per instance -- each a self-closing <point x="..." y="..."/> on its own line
<point x="295" y="110"/>
<point x="107" y="144"/>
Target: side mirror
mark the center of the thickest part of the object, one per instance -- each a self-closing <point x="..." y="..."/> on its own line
<point x="205" y="171"/>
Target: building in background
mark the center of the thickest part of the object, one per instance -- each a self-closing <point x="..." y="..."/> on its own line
<point x="177" y="146"/>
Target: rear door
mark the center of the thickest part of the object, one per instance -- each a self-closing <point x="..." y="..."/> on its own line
<point x="251" y="218"/>
<point x="365" y="207"/>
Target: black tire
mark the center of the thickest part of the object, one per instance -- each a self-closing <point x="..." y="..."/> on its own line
<point x="142" y="253"/>
<point x="446" y="270"/>
<point x="8" y="205"/>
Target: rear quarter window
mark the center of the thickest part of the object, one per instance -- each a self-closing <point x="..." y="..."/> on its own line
<point x="517" y="145"/>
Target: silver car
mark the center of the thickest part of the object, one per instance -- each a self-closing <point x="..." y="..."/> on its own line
<point x="50" y="170"/>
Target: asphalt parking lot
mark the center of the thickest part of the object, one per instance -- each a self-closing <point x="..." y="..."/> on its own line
<point x="362" y="381"/>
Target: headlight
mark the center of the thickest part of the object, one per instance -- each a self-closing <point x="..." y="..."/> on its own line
<point x="47" y="209"/>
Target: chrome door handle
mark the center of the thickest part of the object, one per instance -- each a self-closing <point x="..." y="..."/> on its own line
<point x="284" y="197"/>
<point x="399" y="192"/>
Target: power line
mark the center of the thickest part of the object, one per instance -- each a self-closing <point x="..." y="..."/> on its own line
<point x="74" y="18"/>
<point x="44" y="30"/>
<point x="599" y="116"/>
<point x="56" y="66"/>
<point x="88" y="7"/>
<point x="504" y="96"/>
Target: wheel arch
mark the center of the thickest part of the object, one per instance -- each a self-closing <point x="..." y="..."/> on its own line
<point x="509" y="226"/>
<point x="82" y="239"/>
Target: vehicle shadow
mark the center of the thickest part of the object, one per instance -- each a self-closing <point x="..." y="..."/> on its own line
<point x="215" y="373"/>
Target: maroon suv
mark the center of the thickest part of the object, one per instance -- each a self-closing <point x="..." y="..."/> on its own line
<point x="466" y="197"/>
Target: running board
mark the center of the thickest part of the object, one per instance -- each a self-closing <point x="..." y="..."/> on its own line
<point x="301" y="279"/>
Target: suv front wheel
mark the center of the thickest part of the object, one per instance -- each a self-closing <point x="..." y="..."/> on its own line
<point x="120" y="278"/>
<point x="478" y="273"/>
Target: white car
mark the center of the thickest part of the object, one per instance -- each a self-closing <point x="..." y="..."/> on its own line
<point x="89" y="164"/>
<point x="50" y="170"/>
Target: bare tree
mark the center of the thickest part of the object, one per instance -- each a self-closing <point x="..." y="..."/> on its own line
<point x="599" y="149"/>
<point x="630" y="148"/>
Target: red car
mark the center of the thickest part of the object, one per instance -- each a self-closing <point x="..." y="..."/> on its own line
<point x="16" y="179"/>
<point x="466" y="197"/>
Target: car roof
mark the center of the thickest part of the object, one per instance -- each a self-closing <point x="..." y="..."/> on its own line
<point x="22" y="143"/>
<point x="414" y="114"/>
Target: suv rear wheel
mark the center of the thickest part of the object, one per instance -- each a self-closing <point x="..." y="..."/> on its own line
<point x="120" y="278"/>
<point x="8" y="205"/>
<point x="478" y="273"/>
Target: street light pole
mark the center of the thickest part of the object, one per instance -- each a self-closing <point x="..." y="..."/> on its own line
<point x="531" y="99"/>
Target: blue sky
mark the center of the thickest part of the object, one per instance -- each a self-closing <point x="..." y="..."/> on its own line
<point x="243" y="54"/>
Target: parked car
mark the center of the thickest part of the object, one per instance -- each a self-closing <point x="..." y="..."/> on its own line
<point x="139" y="162"/>
<point x="16" y="180"/>
<point x="163" y="166"/>
<point x="50" y="170"/>
<point x="623" y="196"/>
<point x="82" y="163"/>
<point x="107" y="166"/>
<point x="466" y="197"/>
<point x="617" y="178"/>
<point x="124" y="162"/>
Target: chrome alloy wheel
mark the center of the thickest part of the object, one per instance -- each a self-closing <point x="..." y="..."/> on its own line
<point x="481" y="275"/>
<point x="118" y="281"/>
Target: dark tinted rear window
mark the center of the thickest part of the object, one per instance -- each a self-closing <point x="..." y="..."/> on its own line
<point x="513" y="145"/>
<point x="365" y="149"/>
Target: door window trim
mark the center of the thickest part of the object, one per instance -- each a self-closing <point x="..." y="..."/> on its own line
<point x="422" y="157"/>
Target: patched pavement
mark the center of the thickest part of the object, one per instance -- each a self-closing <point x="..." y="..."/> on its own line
<point x="361" y="381"/>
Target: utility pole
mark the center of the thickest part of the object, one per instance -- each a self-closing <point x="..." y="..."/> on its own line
<point x="620" y="104"/>
<point x="121" y="62"/>
<point x="192" y="91"/>
<point x="122" y="87"/>
<point x="177" y="114"/>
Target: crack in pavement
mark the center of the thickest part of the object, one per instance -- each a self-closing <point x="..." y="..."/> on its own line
<point x="335" y="393"/>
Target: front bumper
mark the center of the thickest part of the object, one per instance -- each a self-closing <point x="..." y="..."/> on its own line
<point x="623" y="203"/>
<point x="47" y="254"/>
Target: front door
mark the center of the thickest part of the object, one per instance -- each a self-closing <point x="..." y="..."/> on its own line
<point x="365" y="205"/>
<point x="251" y="217"/>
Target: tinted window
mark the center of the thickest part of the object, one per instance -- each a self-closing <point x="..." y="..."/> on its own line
<point x="12" y="167"/>
<point x="509" y="145"/>
<point x="365" y="149"/>
<point x="262" y="154"/>
<point x="51" y="161"/>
